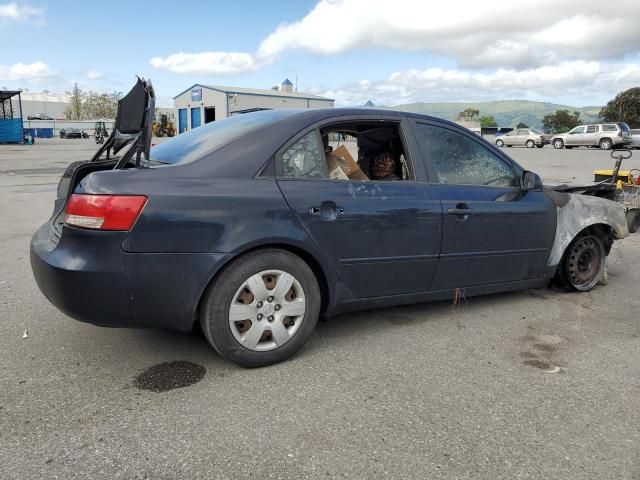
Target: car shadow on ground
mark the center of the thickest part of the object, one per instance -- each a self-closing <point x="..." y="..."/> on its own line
<point x="166" y="345"/>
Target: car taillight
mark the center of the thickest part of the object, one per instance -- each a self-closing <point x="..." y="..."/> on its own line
<point x="103" y="212"/>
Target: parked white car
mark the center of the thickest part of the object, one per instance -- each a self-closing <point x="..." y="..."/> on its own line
<point x="523" y="137"/>
<point x="603" y="135"/>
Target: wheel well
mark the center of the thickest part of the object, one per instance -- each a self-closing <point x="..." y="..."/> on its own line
<point x="605" y="138"/>
<point x="305" y="256"/>
<point x="601" y="230"/>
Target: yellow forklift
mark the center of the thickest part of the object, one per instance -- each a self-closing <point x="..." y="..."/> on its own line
<point x="163" y="125"/>
<point x="624" y="187"/>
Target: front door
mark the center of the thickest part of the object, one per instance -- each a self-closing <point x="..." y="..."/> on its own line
<point x="382" y="237"/>
<point x="493" y="232"/>
<point x="575" y="136"/>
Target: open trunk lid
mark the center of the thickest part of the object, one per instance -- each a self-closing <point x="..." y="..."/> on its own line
<point x="132" y="128"/>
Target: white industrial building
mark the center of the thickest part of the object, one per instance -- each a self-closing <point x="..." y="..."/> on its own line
<point x="44" y="103"/>
<point x="200" y="104"/>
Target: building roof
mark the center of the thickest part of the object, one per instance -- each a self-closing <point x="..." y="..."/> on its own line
<point x="257" y="91"/>
<point x="6" y="94"/>
<point x="44" y="97"/>
<point x="287" y="82"/>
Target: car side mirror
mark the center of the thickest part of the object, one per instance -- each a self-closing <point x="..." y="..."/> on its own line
<point x="531" y="181"/>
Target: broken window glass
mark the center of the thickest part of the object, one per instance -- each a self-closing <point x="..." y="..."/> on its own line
<point x="461" y="160"/>
<point x="305" y="159"/>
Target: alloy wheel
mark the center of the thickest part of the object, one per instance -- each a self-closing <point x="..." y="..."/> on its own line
<point x="267" y="310"/>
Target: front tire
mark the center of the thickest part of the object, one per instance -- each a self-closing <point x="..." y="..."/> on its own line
<point x="583" y="263"/>
<point x="499" y="143"/>
<point x="558" y="143"/>
<point x="262" y="308"/>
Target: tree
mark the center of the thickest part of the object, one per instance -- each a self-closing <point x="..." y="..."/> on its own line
<point x="101" y="105"/>
<point x="624" y="108"/>
<point x="522" y="125"/>
<point x="488" y="121"/>
<point x="561" y="121"/>
<point x="91" y="105"/>
<point x="74" y="110"/>
<point x="469" y="114"/>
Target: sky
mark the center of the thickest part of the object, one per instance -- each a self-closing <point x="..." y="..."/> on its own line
<point x="388" y="51"/>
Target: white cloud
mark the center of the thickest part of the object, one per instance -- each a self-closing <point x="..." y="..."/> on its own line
<point x="578" y="79"/>
<point x="22" y="71"/>
<point x="476" y="34"/>
<point x="93" y="74"/>
<point x="207" y="63"/>
<point x="15" y="12"/>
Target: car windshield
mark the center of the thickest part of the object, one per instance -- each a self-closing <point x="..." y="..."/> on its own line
<point x="196" y="143"/>
<point x="537" y="132"/>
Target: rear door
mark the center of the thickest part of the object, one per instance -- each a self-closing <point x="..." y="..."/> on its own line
<point x="591" y="135"/>
<point x="382" y="237"/>
<point x="523" y="136"/>
<point x="493" y="231"/>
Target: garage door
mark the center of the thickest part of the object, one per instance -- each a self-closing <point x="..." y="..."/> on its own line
<point x="183" y="120"/>
<point x="195" y="118"/>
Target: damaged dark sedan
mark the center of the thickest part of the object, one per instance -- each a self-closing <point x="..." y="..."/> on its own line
<point x="256" y="225"/>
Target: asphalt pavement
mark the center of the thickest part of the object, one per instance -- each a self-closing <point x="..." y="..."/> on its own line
<point x="538" y="384"/>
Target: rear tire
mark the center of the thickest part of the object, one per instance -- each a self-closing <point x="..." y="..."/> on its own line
<point x="558" y="144"/>
<point x="606" y="144"/>
<point x="583" y="263"/>
<point x="499" y="143"/>
<point x="288" y="286"/>
<point x="530" y="144"/>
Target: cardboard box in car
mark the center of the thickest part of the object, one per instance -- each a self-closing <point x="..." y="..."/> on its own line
<point x="341" y="159"/>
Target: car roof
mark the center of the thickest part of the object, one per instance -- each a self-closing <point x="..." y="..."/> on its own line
<point x="319" y="114"/>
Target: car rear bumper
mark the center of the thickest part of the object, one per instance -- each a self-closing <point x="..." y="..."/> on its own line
<point x="90" y="278"/>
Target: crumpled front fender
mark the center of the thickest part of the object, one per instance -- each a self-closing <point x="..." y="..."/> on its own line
<point x="577" y="212"/>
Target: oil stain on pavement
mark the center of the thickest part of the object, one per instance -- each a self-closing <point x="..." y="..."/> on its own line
<point x="169" y="375"/>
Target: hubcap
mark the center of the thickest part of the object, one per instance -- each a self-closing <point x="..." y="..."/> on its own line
<point x="267" y="310"/>
<point x="584" y="262"/>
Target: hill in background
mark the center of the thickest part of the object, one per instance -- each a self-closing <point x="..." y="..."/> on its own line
<point x="508" y="113"/>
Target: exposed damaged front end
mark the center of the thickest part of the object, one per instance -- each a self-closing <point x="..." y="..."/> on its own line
<point x="579" y="212"/>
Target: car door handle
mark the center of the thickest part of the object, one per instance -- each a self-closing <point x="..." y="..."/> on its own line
<point x="327" y="211"/>
<point x="462" y="211"/>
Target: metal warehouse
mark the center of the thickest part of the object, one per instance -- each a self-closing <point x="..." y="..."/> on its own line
<point x="200" y="104"/>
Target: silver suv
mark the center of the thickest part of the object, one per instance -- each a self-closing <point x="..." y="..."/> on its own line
<point x="603" y="135"/>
